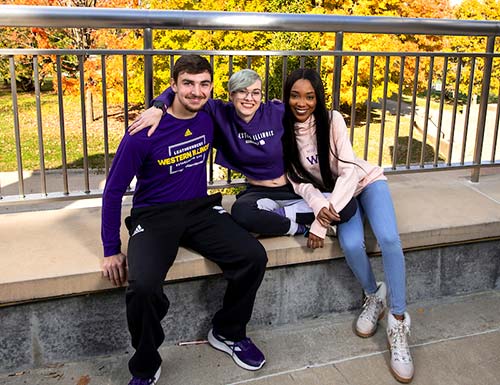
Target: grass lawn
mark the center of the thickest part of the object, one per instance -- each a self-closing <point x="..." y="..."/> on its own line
<point x="374" y="138"/>
<point x="51" y="132"/>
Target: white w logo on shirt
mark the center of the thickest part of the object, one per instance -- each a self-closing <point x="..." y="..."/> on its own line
<point x="312" y="159"/>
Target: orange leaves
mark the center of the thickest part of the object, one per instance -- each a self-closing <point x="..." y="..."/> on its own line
<point x="84" y="380"/>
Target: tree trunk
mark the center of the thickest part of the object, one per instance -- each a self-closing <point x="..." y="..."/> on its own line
<point x="89" y="106"/>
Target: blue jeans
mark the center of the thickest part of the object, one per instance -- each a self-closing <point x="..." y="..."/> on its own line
<point x="375" y="203"/>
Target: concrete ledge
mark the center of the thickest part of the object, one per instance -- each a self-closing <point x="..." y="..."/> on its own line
<point x="57" y="252"/>
<point x="46" y="333"/>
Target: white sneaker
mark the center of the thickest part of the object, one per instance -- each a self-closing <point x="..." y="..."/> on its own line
<point x="373" y="311"/>
<point x="397" y="335"/>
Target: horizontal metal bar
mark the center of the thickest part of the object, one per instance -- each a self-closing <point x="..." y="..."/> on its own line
<point x="430" y="167"/>
<point x="157" y="52"/>
<point x="86" y="17"/>
<point x="78" y="195"/>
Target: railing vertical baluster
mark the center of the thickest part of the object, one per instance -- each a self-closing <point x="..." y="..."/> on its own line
<point x="441" y="108"/>
<point x="125" y="101"/>
<point x="495" y="132"/>
<point x="211" y="167"/>
<point x="212" y="64"/>
<point x="105" y="114"/>
<point x="467" y="109"/>
<point x="483" y="108"/>
<point x="353" y="102"/>
<point x="384" y="109"/>
<point x="125" y="91"/>
<point x="148" y="67"/>
<point x="17" y="131"/>
<point x="41" y="151"/>
<point x="455" y="108"/>
<point x="369" y="108"/>
<point x="413" y="111"/>
<point x="231" y="69"/>
<point x="62" y="129"/>
<point x="84" y="125"/>
<point x="284" y="74"/>
<point x="231" y="64"/>
<point x="427" y="109"/>
<point x="337" y="70"/>
<point x="172" y="63"/>
<point x="333" y="87"/>
<point x="398" y="112"/>
<point x="266" y="78"/>
<point x="211" y="154"/>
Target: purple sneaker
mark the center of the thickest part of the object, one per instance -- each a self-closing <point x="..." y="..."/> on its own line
<point x="146" y="381"/>
<point x="244" y="352"/>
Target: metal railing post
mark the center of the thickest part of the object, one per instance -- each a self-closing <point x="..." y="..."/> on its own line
<point x="483" y="108"/>
<point x="17" y="130"/>
<point x="148" y="67"/>
<point x="337" y="70"/>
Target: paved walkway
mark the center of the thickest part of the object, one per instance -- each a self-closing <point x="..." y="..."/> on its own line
<point x="455" y="341"/>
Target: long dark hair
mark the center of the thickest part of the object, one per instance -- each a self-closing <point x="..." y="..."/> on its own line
<point x="296" y="171"/>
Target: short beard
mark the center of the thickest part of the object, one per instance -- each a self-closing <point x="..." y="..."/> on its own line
<point x="190" y="109"/>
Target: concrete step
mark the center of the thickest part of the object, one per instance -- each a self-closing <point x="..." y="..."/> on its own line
<point x="454" y="342"/>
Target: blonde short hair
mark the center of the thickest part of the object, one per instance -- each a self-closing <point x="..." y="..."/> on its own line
<point x="242" y="79"/>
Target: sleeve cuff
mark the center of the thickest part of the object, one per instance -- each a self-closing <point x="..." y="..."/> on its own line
<point x="109" y="251"/>
<point x="318" y="230"/>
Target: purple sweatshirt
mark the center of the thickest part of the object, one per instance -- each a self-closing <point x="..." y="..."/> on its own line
<point x="170" y="166"/>
<point x="253" y="148"/>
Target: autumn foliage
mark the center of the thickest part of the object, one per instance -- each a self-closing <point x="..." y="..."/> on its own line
<point x="87" y="38"/>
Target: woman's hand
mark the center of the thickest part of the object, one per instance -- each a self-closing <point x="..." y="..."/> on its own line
<point x="313" y="241"/>
<point x="326" y="216"/>
<point x="150" y="117"/>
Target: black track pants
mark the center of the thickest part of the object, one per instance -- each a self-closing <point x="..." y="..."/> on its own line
<point x="246" y="212"/>
<point x="155" y="236"/>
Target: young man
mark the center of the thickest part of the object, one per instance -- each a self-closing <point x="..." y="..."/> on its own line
<point x="171" y="208"/>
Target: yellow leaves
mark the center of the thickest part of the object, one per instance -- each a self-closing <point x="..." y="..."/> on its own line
<point x="478" y="10"/>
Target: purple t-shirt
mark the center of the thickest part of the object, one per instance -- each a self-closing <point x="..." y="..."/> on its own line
<point x="170" y="166"/>
<point x="255" y="148"/>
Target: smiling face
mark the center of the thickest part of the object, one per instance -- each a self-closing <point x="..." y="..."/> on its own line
<point x="191" y="92"/>
<point x="247" y="100"/>
<point x="302" y="100"/>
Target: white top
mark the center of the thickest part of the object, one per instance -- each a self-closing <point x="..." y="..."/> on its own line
<point x="351" y="178"/>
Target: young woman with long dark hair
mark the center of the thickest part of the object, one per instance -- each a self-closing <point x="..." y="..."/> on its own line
<point x="319" y="158"/>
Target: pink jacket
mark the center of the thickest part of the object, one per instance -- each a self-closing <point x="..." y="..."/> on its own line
<point x="351" y="179"/>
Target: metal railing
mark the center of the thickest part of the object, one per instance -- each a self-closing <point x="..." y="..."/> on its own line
<point x="461" y="134"/>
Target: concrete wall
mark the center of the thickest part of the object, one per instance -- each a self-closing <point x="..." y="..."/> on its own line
<point x="66" y="329"/>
